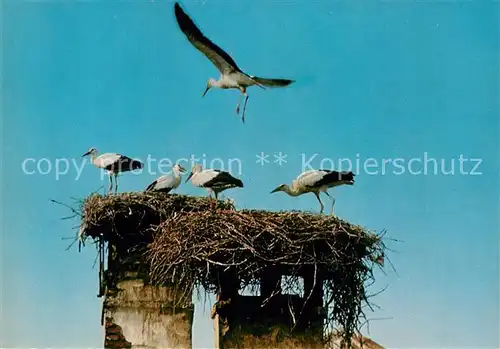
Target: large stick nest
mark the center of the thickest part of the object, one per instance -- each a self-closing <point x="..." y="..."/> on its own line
<point x="133" y="214"/>
<point x="189" y="244"/>
<point x="195" y="248"/>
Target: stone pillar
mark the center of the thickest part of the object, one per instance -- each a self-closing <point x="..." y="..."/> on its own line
<point x="138" y="315"/>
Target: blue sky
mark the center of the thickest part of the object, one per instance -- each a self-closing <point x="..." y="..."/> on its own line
<point x="375" y="79"/>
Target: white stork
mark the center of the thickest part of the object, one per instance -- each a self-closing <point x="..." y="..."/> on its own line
<point x="215" y="181"/>
<point x="169" y="181"/>
<point x="317" y="181"/>
<point x="113" y="163"/>
<point x="231" y="75"/>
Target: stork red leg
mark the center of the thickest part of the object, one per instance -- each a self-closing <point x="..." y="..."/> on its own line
<point x="216" y="194"/>
<point x="333" y="200"/>
<point x="322" y="207"/>
<point x="210" y="191"/>
<point x="110" y="183"/>
<point x="116" y="183"/>
<point x="239" y="102"/>
<point x="244" y="107"/>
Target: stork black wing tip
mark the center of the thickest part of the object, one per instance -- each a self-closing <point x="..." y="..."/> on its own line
<point x="178" y="9"/>
<point x="284" y="82"/>
<point x="185" y="22"/>
<point x="137" y="165"/>
<point x="238" y="182"/>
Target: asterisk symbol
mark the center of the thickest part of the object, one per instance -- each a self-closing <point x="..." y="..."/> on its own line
<point x="262" y="158"/>
<point x="280" y="158"/>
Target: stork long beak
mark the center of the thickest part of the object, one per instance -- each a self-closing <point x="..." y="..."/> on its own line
<point x="206" y="90"/>
<point x="182" y="169"/>
<point x="276" y="190"/>
<point x="87" y="153"/>
<point x="189" y="177"/>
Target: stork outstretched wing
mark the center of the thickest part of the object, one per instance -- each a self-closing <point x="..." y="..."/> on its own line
<point x="220" y="58"/>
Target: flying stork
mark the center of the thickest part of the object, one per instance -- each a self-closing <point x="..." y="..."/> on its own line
<point x="169" y="181"/>
<point x="231" y="75"/>
<point x="113" y="163"/>
<point x="215" y="181"/>
<point x="317" y="181"/>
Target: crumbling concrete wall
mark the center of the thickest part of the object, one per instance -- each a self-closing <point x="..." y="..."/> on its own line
<point x="357" y="342"/>
<point x="139" y="315"/>
<point x="242" y="339"/>
<point x="241" y="322"/>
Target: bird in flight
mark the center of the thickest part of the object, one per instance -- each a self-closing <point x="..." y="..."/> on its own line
<point x="231" y="75"/>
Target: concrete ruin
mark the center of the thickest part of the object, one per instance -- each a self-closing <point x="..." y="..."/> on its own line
<point x="271" y="319"/>
<point x="138" y="315"/>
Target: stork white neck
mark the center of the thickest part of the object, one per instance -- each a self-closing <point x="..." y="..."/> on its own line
<point x="197" y="169"/>
<point x="176" y="171"/>
<point x="216" y="83"/>
<point x="292" y="191"/>
<point x="93" y="156"/>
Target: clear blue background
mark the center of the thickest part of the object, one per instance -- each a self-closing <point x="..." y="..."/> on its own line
<point x="381" y="79"/>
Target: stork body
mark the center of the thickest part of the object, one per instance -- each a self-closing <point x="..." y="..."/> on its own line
<point x="113" y="163"/>
<point x="317" y="181"/>
<point x="231" y="75"/>
<point x="213" y="180"/>
<point x="167" y="182"/>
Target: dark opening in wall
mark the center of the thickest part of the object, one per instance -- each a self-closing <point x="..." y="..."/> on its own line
<point x="292" y="285"/>
<point x="250" y="290"/>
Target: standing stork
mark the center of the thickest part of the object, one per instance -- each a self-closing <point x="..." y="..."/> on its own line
<point x="231" y="75"/>
<point x="215" y="181"/>
<point x="169" y="181"/>
<point x="113" y="163"/>
<point x="317" y="181"/>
